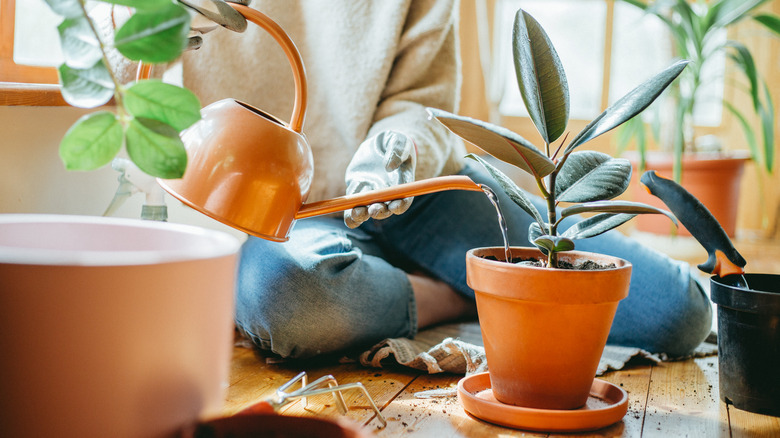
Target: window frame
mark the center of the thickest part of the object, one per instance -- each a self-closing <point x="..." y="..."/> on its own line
<point x="23" y="84"/>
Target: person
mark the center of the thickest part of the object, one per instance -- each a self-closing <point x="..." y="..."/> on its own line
<point x="389" y="270"/>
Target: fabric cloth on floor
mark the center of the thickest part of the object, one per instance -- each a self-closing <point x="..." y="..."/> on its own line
<point x="457" y="348"/>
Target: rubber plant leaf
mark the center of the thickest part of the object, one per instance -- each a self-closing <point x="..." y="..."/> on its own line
<point x="80" y="47"/>
<point x="541" y="77"/>
<point x="66" y="8"/>
<point x="154" y="99"/>
<point x="515" y="193"/>
<point x="156" y="148"/>
<point x="628" y="106"/>
<point x="595" y="225"/>
<point x="86" y="88"/>
<point x="155" y="37"/>
<point x="92" y="141"/>
<point x="549" y="243"/>
<point x="592" y="176"/>
<point x="498" y="142"/>
<point x="615" y="207"/>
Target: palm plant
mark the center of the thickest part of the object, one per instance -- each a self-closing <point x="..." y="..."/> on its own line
<point x="588" y="179"/>
<point x="696" y="28"/>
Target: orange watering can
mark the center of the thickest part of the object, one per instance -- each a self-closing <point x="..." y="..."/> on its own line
<point x="252" y="171"/>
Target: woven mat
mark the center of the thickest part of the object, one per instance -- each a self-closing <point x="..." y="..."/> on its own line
<point x="457" y="348"/>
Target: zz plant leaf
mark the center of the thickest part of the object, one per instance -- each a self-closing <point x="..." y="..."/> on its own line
<point x="588" y="179"/>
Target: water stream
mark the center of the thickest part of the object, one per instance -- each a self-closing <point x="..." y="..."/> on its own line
<point x="501" y="222"/>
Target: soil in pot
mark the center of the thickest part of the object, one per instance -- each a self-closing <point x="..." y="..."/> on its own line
<point x="749" y="341"/>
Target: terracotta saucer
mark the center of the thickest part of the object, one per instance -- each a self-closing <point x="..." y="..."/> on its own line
<point x="607" y="405"/>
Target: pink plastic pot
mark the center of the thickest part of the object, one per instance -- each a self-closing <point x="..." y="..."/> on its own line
<point x="112" y="327"/>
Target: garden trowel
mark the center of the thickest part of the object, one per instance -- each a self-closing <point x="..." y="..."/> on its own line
<point x="723" y="259"/>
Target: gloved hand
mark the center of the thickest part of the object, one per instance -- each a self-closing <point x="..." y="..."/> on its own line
<point x="385" y="160"/>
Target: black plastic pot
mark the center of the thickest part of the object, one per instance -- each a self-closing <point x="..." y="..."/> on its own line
<point x="749" y="341"/>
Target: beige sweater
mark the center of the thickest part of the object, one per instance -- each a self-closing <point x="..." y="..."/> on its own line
<point x="371" y="65"/>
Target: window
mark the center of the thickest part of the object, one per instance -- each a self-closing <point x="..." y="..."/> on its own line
<point x="607" y="47"/>
<point x="29" y="45"/>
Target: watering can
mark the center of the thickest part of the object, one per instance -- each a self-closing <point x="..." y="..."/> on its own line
<point x="253" y="171"/>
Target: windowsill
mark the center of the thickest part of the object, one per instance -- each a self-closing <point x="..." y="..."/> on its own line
<point x="19" y="94"/>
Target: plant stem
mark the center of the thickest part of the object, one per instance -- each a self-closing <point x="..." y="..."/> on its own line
<point x="118" y="96"/>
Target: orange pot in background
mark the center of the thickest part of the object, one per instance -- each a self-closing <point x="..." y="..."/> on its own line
<point x="544" y="329"/>
<point x="714" y="181"/>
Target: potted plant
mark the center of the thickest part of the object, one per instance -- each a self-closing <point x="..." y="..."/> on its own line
<point x="698" y="30"/>
<point x="562" y="316"/>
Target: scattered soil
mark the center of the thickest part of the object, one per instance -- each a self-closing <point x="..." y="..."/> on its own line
<point x="587" y="265"/>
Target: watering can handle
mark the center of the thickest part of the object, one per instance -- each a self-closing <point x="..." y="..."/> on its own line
<point x="293" y="56"/>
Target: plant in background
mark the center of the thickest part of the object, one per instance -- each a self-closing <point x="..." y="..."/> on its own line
<point x="149" y="114"/>
<point x="589" y="179"/>
<point x="698" y="30"/>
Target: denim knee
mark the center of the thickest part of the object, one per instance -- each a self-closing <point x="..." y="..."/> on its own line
<point x="319" y="294"/>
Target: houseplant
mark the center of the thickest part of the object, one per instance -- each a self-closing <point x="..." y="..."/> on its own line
<point x="698" y="31"/>
<point x="557" y="313"/>
<point x="148" y="114"/>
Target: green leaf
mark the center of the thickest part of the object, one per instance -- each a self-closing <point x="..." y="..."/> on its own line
<point x="86" y="88"/>
<point x="80" y="47"/>
<point x="767" y="113"/>
<point x="92" y="141"/>
<point x="498" y="142"/>
<point x="553" y="243"/>
<point x="744" y="60"/>
<point x="750" y="136"/>
<point x="514" y="192"/>
<point x="156" y="148"/>
<point x="66" y="8"/>
<point x="154" y="99"/>
<point x="628" y="106"/>
<point x="140" y="5"/>
<point x="595" y="225"/>
<point x="540" y="76"/>
<point x="728" y="12"/>
<point x="155" y="37"/>
<point x="615" y="207"/>
<point x="770" y="21"/>
<point x="592" y="176"/>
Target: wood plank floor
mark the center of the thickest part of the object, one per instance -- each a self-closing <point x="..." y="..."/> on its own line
<point x="670" y="399"/>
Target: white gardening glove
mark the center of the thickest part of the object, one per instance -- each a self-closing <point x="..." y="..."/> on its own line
<point x="387" y="159"/>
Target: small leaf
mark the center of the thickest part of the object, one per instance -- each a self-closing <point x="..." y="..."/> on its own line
<point x="66" y="8"/>
<point x="155" y="37"/>
<point x="86" y="88"/>
<point x="498" y="142"/>
<point x="156" y="148"/>
<point x="145" y="5"/>
<point x="770" y="21"/>
<point x="592" y="176"/>
<point x="154" y="99"/>
<point x="615" y="207"/>
<point x="743" y="58"/>
<point x="91" y="142"/>
<point x="595" y="225"/>
<point x="540" y="76"/>
<point x="629" y="105"/>
<point x="550" y="244"/>
<point x="514" y="192"/>
<point x="80" y="47"/>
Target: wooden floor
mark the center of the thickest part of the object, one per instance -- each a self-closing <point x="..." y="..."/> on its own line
<point x="671" y="399"/>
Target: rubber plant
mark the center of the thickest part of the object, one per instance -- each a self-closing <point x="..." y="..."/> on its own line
<point x="148" y="114"/>
<point x="697" y="29"/>
<point x="588" y="179"/>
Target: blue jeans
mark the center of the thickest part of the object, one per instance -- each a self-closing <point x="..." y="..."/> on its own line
<point x="330" y="288"/>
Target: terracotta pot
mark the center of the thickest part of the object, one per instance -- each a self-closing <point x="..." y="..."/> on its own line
<point x="112" y="327"/>
<point x="544" y="329"/>
<point x="713" y="179"/>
